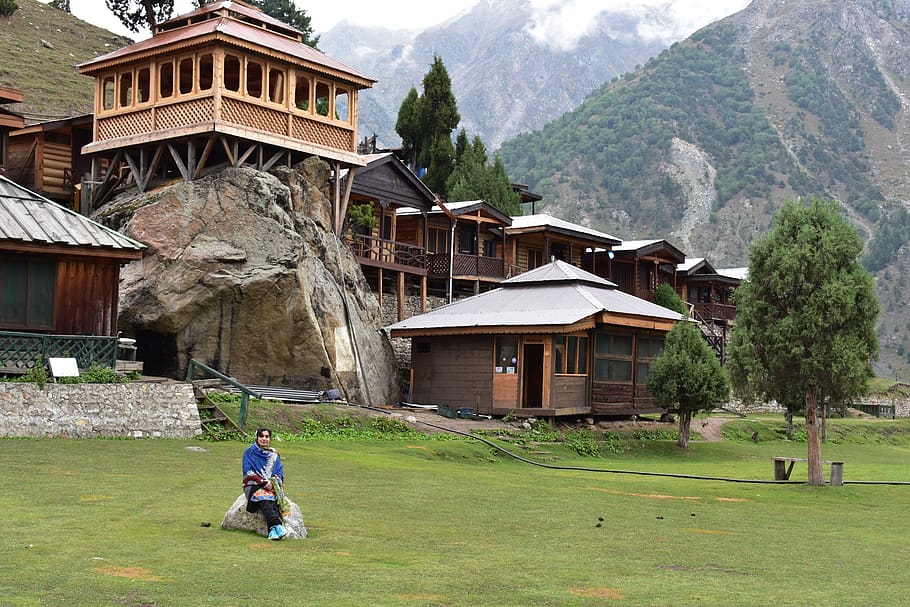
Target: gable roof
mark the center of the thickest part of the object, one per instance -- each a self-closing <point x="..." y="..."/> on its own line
<point x="232" y="22"/>
<point x="693" y="265"/>
<point x="29" y="221"/>
<point x="465" y="207"/>
<point x="386" y="178"/>
<point x="525" y="224"/>
<point x="641" y="248"/>
<point x="551" y="298"/>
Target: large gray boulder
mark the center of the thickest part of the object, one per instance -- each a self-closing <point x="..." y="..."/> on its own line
<point x="243" y="273"/>
<point x="238" y="518"/>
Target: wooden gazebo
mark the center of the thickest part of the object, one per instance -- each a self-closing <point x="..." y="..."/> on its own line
<point x="225" y="85"/>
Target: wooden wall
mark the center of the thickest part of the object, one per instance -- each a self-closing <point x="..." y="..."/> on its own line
<point x="86" y="297"/>
<point x="456" y="371"/>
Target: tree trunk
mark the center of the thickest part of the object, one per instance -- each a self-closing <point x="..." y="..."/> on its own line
<point x="816" y="474"/>
<point x="685" y="421"/>
<point x="824" y="422"/>
<point x="789" y="417"/>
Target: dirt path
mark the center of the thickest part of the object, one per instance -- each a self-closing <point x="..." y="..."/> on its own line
<point x="709" y="428"/>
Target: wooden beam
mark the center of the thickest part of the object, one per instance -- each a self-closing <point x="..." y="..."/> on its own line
<point x="181" y="166"/>
<point x="401" y="297"/>
<point x="209" y="145"/>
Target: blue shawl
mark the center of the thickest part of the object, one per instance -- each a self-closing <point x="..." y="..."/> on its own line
<point x="262" y="463"/>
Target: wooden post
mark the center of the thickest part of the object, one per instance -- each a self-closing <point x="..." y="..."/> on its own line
<point x="401" y="296"/>
<point x="423" y="294"/>
<point x="379" y="288"/>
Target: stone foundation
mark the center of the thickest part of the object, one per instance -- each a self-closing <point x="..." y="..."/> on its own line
<point x="133" y="410"/>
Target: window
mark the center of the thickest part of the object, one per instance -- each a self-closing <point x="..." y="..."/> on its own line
<point x="206" y="71"/>
<point x="649" y="348"/>
<point x="232" y="73"/>
<point x="166" y="80"/>
<point x="437" y="240"/>
<point x="613" y="357"/>
<point x="506" y="354"/>
<point x="186" y="76"/>
<point x="276" y="85"/>
<point x="254" y="79"/>
<point x="322" y="98"/>
<point x="570" y="354"/>
<point x="107" y="92"/>
<point x="143" y="85"/>
<point x="342" y="105"/>
<point x="27" y="293"/>
<point x="489" y="248"/>
<point x="535" y="258"/>
<point x="302" y="93"/>
<point x="558" y="251"/>
<point x="126" y="90"/>
<point x="467" y="243"/>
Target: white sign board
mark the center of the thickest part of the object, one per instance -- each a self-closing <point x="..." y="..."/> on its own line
<point x="64" y="367"/>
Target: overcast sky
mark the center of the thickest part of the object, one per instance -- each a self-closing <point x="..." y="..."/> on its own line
<point x="565" y="18"/>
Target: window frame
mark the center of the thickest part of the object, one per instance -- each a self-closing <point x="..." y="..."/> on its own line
<point x="570" y="355"/>
<point x="30" y="291"/>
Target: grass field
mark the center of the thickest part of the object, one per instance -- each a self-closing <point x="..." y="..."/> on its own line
<point x="444" y="523"/>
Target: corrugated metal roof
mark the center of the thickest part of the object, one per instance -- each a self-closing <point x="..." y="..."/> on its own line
<point x="546" y="220"/>
<point x="30" y="218"/>
<point x="231" y="28"/>
<point x="737" y="273"/>
<point x="559" y="271"/>
<point x="548" y="297"/>
<point x="634" y="245"/>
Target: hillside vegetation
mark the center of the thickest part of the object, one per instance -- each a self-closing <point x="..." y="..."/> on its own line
<point x="776" y="102"/>
<point x="41" y="47"/>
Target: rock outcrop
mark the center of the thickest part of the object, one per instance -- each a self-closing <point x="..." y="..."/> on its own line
<point x="244" y="274"/>
<point x="238" y="518"/>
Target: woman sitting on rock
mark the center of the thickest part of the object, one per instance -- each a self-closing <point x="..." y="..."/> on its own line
<point x="263" y="476"/>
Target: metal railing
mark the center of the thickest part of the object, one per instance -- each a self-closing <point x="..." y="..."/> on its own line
<point x="20" y="352"/>
<point x="245" y="393"/>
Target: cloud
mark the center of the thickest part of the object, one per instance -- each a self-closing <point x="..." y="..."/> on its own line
<point x="562" y="24"/>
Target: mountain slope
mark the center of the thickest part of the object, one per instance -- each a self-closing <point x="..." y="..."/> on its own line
<point x="704" y="143"/>
<point x="41" y="47"/>
<point x="505" y="78"/>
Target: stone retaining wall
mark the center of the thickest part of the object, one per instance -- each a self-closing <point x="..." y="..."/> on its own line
<point x="901" y="406"/>
<point x="137" y="410"/>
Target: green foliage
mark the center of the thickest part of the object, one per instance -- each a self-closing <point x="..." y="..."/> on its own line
<point x="95" y="374"/>
<point x="892" y="233"/>
<point x="8" y="7"/>
<point x="687" y="376"/>
<point x="136" y="15"/>
<point x="62" y="5"/>
<point x="425" y="124"/>
<point x="37" y="374"/>
<point x="473" y="178"/>
<point x="666" y="296"/>
<point x="362" y="217"/>
<point x="286" y="11"/>
<point x="806" y="316"/>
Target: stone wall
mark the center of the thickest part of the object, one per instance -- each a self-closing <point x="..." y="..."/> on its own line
<point x="901" y="406"/>
<point x="137" y="410"/>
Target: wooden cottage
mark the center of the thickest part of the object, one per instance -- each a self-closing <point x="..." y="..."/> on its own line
<point x="465" y="245"/>
<point x="534" y="240"/>
<point x="387" y="249"/>
<point x="9" y="121"/>
<point x="638" y="267"/>
<point x="225" y="85"/>
<point x="59" y="276"/>
<point x="708" y="291"/>
<point x="553" y="341"/>
<point x="46" y="158"/>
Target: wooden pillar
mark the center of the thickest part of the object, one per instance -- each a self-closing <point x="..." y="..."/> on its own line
<point x="379" y="288"/>
<point x="423" y="294"/>
<point x="401" y="297"/>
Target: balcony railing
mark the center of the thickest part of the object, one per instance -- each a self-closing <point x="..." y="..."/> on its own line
<point x="716" y="311"/>
<point x="20" y="352"/>
<point x="388" y="251"/>
<point x="466" y="265"/>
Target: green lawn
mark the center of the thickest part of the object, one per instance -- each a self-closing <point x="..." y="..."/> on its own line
<point x="445" y="523"/>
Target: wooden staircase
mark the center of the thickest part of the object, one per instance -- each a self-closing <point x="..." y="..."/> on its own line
<point x="213" y="419"/>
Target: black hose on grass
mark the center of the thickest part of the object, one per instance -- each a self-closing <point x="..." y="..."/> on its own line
<point x="633" y="472"/>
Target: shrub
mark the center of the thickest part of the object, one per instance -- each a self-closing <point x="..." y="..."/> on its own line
<point x="8" y="7"/>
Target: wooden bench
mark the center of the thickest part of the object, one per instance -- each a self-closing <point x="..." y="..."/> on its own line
<point x="782" y="470"/>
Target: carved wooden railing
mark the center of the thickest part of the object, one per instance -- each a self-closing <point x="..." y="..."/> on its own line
<point x="716" y="311"/>
<point x="20" y="352"/>
<point x="388" y="251"/>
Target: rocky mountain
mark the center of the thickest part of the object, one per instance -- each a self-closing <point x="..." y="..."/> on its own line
<point x="506" y="77"/>
<point x="704" y="142"/>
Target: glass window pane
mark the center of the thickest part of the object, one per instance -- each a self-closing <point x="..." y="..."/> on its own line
<point x="572" y="355"/>
<point x="14" y="277"/>
<point x="166" y="80"/>
<point x="206" y="71"/>
<point x="506" y="354"/>
<point x="641" y="371"/>
<point x="42" y="280"/>
<point x="582" y="356"/>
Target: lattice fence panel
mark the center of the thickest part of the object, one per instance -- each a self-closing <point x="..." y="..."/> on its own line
<point x="323" y="134"/>
<point x="125" y="125"/>
<point x="22" y="351"/>
<point x="254" y="117"/>
<point x="183" y="114"/>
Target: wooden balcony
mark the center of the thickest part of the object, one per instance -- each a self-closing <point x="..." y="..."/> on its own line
<point x="389" y="254"/>
<point x="467" y="266"/>
<point x="715" y="311"/>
